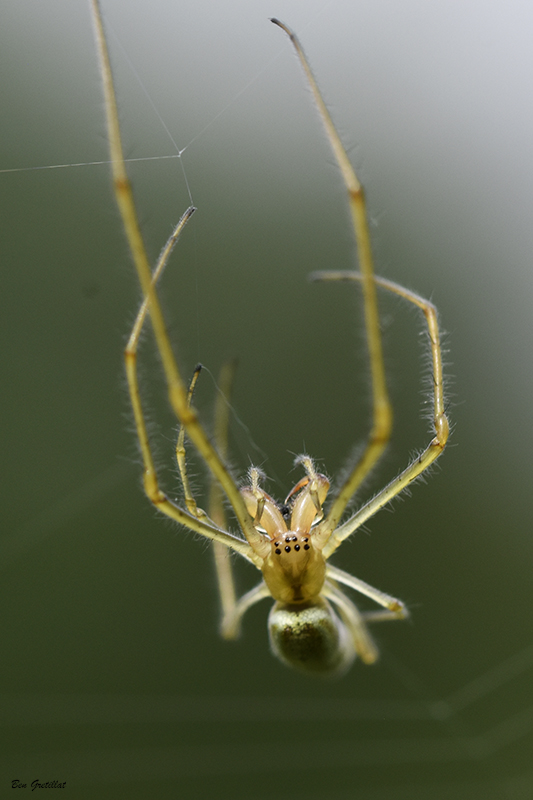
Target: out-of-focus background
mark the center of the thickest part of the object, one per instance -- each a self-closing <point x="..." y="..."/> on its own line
<point x="113" y="677"/>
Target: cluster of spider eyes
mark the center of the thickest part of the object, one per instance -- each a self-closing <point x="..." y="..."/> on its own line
<point x="287" y="547"/>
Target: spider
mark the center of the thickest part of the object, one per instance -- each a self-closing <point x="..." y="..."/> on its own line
<point x="313" y="625"/>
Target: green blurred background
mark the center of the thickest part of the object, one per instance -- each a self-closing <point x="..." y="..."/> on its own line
<point x="113" y="677"/>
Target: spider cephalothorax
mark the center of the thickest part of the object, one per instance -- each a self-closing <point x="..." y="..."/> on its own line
<point x="295" y="569"/>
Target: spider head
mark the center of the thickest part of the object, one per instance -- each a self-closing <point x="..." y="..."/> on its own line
<point x="295" y="569"/>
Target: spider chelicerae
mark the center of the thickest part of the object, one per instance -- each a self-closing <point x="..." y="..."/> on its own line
<point x="313" y="625"/>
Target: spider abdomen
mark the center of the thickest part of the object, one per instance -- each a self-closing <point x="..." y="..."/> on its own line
<point x="310" y="637"/>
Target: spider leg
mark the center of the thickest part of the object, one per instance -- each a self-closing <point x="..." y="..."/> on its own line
<point x="177" y="391"/>
<point x="396" y="608"/>
<point x="232" y="610"/>
<point x="381" y="406"/>
<point x="203" y="525"/>
<point x="231" y="619"/>
<point x="364" y="644"/>
<point x="222" y="557"/>
<point x="379" y="616"/>
<point x="154" y="493"/>
<point x="440" y="421"/>
<point x="190" y="502"/>
<point x="162" y="261"/>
